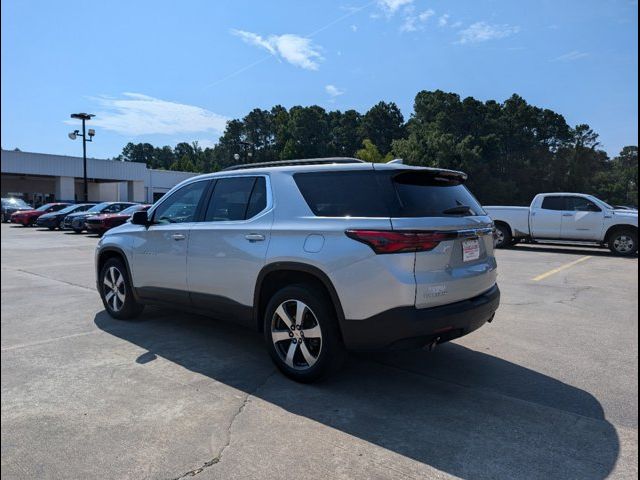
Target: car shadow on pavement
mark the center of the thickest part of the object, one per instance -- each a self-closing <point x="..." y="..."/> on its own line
<point x="464" y="412"/>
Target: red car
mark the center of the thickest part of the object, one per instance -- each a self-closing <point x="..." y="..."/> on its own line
<point x="27" y="218"/>
<point x="105" y="221"/>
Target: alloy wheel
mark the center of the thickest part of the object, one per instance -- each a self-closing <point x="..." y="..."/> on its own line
<point x="296" y="334"/>
<point x="114" y="289"/>
<point x="624" y="244"/>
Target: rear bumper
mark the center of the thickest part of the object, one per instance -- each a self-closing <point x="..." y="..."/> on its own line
<point x="95" y="227"/>
<point x="410" y="327"/>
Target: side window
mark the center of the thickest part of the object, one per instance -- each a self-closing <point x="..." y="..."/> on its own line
<point x="114" y="208"/>
<point x="181" y="206"/>
<point x="553" y="203"/>
<point x="258" y="199"/>
<point x="55" y="208"/>
<point x="234" y="198"/>
<point x="581" y="204"/>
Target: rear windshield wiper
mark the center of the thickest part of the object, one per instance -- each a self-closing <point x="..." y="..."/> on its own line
<point x="459" y="210"/>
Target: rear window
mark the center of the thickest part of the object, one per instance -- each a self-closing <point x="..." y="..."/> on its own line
<point x="423" y="194"/>
<point x="553" y="203"/>
<point x="385" y="194"/>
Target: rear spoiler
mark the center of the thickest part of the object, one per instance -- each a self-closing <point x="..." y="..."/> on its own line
<point x="443" y="173"/>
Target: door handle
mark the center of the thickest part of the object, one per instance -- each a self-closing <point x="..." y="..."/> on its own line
<point x="254" y="237"/>
<point x="178" y="236"/>
<point x="567" y="214"/>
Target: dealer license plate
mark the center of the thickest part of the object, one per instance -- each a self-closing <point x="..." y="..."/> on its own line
<point x="470" y="250"/>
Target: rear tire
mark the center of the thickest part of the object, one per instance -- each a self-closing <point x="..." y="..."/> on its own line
<point x="51" y="228"/>
<point x="116" y="291"/>
<point x="77" y="230"/>
<point x="504" y="239"/>
<point x="302" y="333"/>
<point x="623" y="242"/>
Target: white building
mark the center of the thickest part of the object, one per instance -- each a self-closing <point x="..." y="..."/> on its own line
<point x="41" y="177"/>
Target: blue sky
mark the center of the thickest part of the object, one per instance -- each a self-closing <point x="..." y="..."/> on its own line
<point x="165" y="72"/>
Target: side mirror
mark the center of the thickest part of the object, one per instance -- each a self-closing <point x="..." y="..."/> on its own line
<point x="140" y="218"/>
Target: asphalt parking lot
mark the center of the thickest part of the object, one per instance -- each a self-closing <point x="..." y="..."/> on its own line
<point x="548" y="390"/>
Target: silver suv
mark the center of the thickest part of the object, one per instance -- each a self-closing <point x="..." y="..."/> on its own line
<point x="320" y="255"/>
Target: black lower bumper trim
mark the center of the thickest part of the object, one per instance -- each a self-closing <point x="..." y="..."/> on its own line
<point x="410" y="327"/>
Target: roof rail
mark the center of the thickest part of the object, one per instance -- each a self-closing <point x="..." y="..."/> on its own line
<point x="286" y="163"/>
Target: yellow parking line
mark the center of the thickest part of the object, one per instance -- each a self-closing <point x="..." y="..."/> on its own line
<point x="561" y="268"/>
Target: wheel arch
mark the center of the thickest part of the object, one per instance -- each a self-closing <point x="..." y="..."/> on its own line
<point x="505" y="224"/>
<point x="276" y="275"/>
<point x="107" y="253"/>
<point x="620" y="226"/>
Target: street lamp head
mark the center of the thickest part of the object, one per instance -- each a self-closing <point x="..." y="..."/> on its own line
<point x="236" y="156"/>
<point x="91" y="132"/>
<point x="82" y="116"/>
<point x="73" y="135"/>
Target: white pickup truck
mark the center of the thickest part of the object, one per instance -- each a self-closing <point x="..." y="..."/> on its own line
<point x="567" y="217"/>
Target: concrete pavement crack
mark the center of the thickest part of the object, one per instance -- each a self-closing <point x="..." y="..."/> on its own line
<point x="216" y="459"/>
<point x="54" y="279"/>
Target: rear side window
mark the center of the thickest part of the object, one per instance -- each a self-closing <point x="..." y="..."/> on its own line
<point x="553" y="203"/>
<point x="385" y="194"/>
<point x="236" y="198"/>
<point x="343" y="194"/>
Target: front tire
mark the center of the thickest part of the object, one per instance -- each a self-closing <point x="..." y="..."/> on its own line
<point x="77" y="230"/>
<point x="302" y="334"/>
<point x="623" y="242"/>
<point x="116" y="291"/>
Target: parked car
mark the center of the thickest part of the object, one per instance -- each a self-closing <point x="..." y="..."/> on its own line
<point x="12" y="205"/>
<point x="54" y="220"/>
<point x="76" y="221"/>
<point x="104" y="221"/>
<point x="27" y="218"/>
<point x="569" y="217"/>
<point x="320" y="255"/>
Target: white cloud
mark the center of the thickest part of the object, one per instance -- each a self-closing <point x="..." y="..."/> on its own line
<point x="204" y="144"/>
<point x="333" y="91"/>
<point x="138" y="114"/>
<point x="482" y="31"/>
<point x="443" y="20"/>
<point x="571" y="56"/>
<point x="413" y="22"/>
<point x="297" y="50"/>
<point x="392" y="6"/>
<point x="354" y="28"/>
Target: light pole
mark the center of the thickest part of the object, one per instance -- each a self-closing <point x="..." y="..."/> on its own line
<point x="247" y="150"/>
<point x="75" y="134"/>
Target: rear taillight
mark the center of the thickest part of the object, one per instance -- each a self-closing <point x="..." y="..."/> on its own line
<point x="385" y="241"/>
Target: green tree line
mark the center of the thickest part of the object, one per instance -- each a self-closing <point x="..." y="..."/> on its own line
<point x="511" y="150"/>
